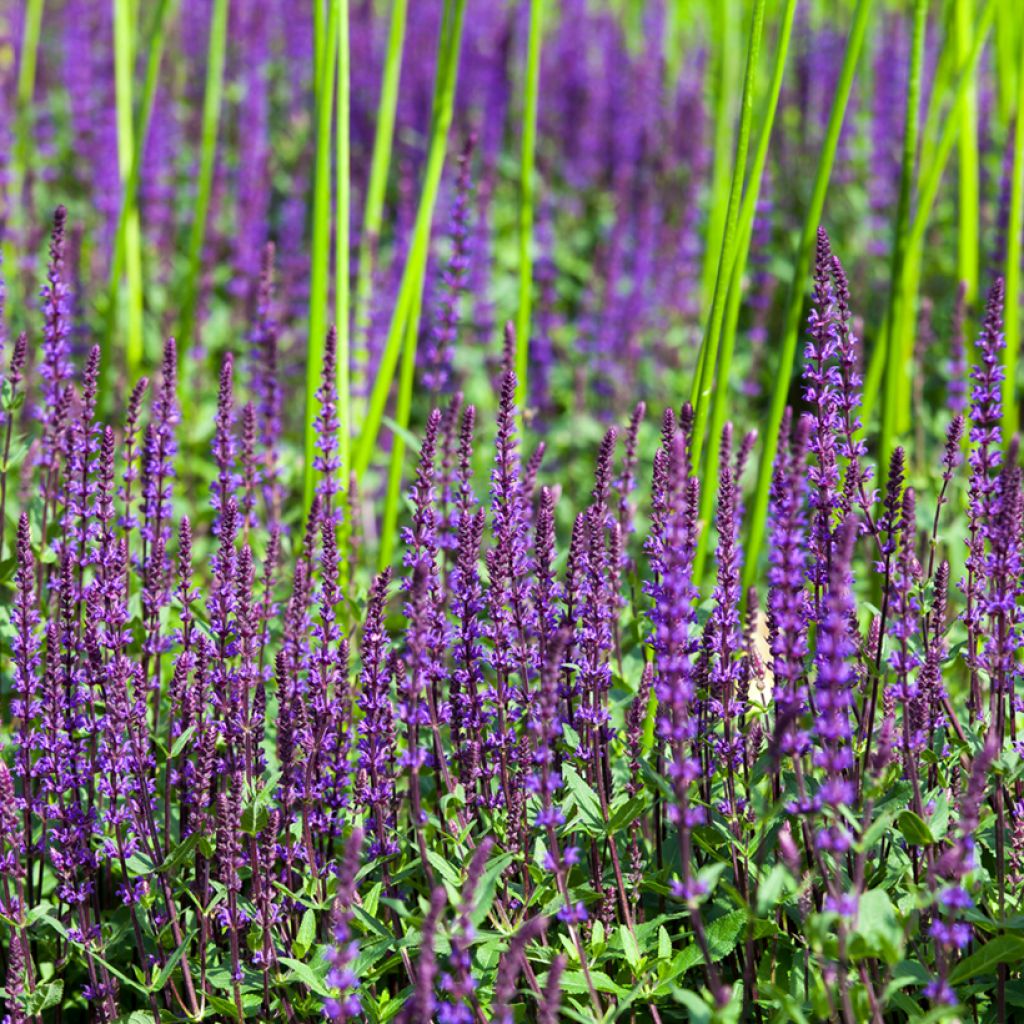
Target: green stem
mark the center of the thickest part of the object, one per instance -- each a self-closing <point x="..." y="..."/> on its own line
<point x="380" y="164"/>
<point x="897" y="378"/>
<point x="530" y="93"/>
<point x="801" y="269"/>
<point x="341" y="252"/>
<point x="204" y="182"/>
<point x="407" y="303"/>
<point x="123" y="62"/>
<point x="930" y="181"/>
<point x="319" y="248"/>
<point x="1011" y="315"/>
<point x="712" y="335"/>
<point x="747" y="215"/>
<point x="155" y="43"/>
<point x="21" y="154"/>
<point x="967" y="212"/>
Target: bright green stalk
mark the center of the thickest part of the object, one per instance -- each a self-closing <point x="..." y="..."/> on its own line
<point x="341" y="252"/>
<point x="380" y="163"/>
<point x="1011" y="420"/>
<point x="712" y="335"/>
<point x="897" y="378"/>
<point x="932" y="171"/>
<point x="319" y="246"/>
<point x="154" y="50"/>
<point x="968" y="214"/>
<point x="123" y="62"/>
<point x="739" y="263"/>
<point x="526" y="184"/>
<point x="22" y="149"/>
<point x="204" y="182"/>
<point x="407" y="303"/>
<point x="444" y="99"/>
<point x="801" y="270"/>
<point x="723" y="14"/>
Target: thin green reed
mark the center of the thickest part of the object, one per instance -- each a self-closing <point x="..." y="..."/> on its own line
<point x="406" y="305"/>
<point x="123" y="63"/>
<point x="723" y="15"/>
<point x="531" y="88"/>
<point x="798" y="284"/>
<point x="342" y="241"/>
<point x="899" y="349"/>
<point x="446" y="80"/>
<point x="748" y="213"/>
<point x="380" y="165"/>
<point x="214" y="92"/>
<point x="21" y="153"/>
<point x="1011" y="417"/>
<point x="934" y="160"/>
<point x="154" y="50"/>
<point x="968" y="215"/>
<point x="708" y="360"/>
<point x="320" y="240"/>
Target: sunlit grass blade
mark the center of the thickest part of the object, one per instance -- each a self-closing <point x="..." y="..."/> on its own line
<point x="526" y="184"/>
<point x="212" y="98"/>
<point x="21" y="150"/>
<point x="968" y="213"/>
<point x="897" y="378"/>
<point x="933" y="166"/>
<point x="449" y="48"/>
<point x="407" y="303"/>
<point x="319" y="244"/>
<point x="380" y="166"/>
<point x="748" y="213"/>
<point x="1011" y="416"/>
<point x="798" y="285"/>
<point x="123" y="65"/>
<point x="341" y="247"/>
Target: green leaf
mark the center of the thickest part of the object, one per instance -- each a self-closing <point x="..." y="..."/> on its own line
<point x="878" y="927"/>
<point x="915" y="829"/>
<point x="697" y="1010"/>
<point x="304" y="973"/>
<point x="586" y="800"/>
<point x="182" y="741"/>
<point x="632" y="950"/>
<point x="1003" y="949"/>
<point x="45" y="996"/>
<point x="488" y="887"/>
<point x="306" y="936"/>
<point x="167" y="970"/>
<point x="664" y="944"/>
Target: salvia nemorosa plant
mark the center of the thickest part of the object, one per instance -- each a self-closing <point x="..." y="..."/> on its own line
<point x="536" y="770"/>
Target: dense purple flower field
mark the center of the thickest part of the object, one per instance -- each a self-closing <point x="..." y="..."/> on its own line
<point x="675" y="689"/>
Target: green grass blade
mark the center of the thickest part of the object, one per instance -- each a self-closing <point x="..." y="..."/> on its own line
<point x="798" y="285"/>
<point x="444" y="102"/>
<point x="968" y="214"/>
<point x="380" y="165"/>
<point x="526" y="184"/>
<point x="123" y="63"/>
<point x="897" y="378"/>
<point x="407" y="303"/>
<point x="212" y="98"/>
<point x="746" y="227"/>
<point x="155" y="44"/>
<point x="21" y="153"/>
<point x="1011" y="417"/>
<point x="341" y="258"/>
<point x="931" y="175"/>
<point x="319" y="245"/>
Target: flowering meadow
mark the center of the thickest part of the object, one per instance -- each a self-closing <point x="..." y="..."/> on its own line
<point x="511" y="511"/>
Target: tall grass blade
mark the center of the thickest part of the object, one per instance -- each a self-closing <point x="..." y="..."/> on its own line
<point x="411" y="286"/>
<point x="1011" y="415"/>
<point x="798" y="283"/>
<point x="449" y="48"/>
<point x="526" y="184"/>
<point x="212" y="98"/>
<point x="319" y="244"/>
<point x="380" y="165"/>
<point x="342" y="242"/>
